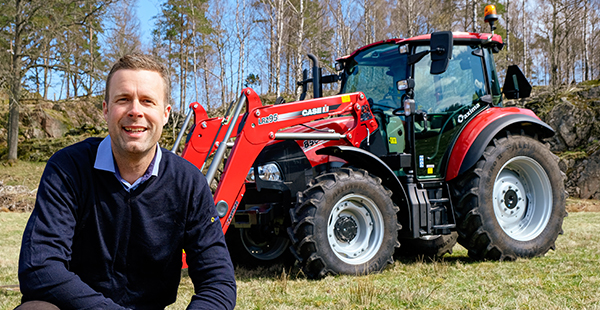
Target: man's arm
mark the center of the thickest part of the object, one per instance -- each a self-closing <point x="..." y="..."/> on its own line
<point x="210" y="266"/>
<point x="46" y="247"/>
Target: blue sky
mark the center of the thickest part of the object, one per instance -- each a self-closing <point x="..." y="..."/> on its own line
<point x="146" y="10"/>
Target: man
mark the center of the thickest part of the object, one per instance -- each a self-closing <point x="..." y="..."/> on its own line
<point x="112" y="215"/>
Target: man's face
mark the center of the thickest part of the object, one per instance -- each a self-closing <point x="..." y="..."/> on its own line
<point x="136" y="112"/>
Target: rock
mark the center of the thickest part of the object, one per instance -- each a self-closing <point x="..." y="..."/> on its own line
<point x="572" y="124"/>
<point x="53" y="127"/>
<point x="34" y="133"/>
<point x="584" y="179"/>
<point x="592" y="93"/>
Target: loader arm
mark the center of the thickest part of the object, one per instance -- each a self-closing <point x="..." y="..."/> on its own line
<point x="260" y="126"/>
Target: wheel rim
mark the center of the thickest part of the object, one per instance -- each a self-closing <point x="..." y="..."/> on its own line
<point x="261" y="246"/>
<point x="355" y="229"/>
<point x="522" y="198"/>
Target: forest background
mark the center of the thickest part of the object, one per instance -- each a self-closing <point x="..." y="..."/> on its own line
<point x="214" y="48"/>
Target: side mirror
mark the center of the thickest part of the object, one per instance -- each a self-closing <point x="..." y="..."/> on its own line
<point x="441" y="45"/>
<point x="516" y="85"/>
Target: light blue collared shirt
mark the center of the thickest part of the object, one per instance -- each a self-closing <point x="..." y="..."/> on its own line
<point x="105" y="161"/>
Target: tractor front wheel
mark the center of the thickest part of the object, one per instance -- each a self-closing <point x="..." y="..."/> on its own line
<point x="344" y="223"/>
<point x="512" y="203"/>
<point x="258" y="246"/>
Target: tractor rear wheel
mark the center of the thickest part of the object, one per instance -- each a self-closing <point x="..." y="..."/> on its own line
<point x="512" y="203"/>
<point x="344" y="223"/>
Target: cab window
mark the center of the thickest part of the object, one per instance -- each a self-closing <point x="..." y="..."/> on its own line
<point x="494" y="82"/>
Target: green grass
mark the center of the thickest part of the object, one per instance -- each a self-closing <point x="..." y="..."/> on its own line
<point x="568" y="278"/>
<point x="23" y="173"/>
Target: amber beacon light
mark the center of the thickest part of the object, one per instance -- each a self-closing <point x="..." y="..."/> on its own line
<point x="490" y="16"/>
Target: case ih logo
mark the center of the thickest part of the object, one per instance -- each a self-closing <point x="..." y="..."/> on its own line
<point x="315" y="111"/>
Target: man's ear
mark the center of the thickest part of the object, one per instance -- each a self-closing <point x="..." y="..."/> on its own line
<point x="167" y="113"/>
<point x="105" y="110"/>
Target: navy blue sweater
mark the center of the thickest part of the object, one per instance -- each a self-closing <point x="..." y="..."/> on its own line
<point x="90" y="244"/>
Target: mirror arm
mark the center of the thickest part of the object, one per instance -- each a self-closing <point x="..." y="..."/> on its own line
<point x="413" y="59"/>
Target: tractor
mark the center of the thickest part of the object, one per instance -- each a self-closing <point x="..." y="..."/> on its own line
<point x="415" y="153"/>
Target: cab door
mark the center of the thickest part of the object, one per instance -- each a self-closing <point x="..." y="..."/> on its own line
<point x="445" y="103"/>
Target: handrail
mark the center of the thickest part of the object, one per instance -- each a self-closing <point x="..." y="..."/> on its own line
<point x="218" y="158"/>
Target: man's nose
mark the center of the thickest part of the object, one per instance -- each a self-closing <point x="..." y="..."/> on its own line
<point x="135" y="109"/>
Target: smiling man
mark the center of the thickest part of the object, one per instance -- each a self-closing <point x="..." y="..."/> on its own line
<point x="112" y="215"/>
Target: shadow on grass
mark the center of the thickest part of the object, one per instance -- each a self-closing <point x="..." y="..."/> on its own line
<point x="273" y="272"/>
<point x="294" y="272"/>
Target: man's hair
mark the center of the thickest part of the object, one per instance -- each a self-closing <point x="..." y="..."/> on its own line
<point x="139" y="62"/>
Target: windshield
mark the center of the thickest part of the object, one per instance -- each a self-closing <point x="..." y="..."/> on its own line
<point x="461" y="85"/>
<point x="375" y="72"/>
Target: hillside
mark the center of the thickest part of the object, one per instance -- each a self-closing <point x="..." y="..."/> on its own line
<point x="573" y="112"/>
<point x="47" y="126"/>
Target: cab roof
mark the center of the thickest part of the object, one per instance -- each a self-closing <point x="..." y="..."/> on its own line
<point x="484" y="38"/>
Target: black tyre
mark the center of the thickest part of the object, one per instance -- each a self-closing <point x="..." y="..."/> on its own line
<point x="430" y="246"/>
<point x="258" y="246"/>
<point x="344" y="223"/>
<point x="512" y="203"/>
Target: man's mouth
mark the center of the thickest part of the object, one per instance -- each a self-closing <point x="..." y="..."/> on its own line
<point x="134" y="129"/>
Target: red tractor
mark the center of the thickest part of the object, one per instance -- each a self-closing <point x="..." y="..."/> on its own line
<point x="414" y="154"/>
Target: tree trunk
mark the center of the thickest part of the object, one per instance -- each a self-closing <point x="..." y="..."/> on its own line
<point x="15" y="88"/>
<point x="553" y="47"/>
<point x="278" y="51"/>
<point x="586" y="56"/>
<point x="508" y="58"/>
<point x="474" y="15"/>
<point x="46" y="55"/>
<point x="525" y="40"/>
<point x="91" y="81"/>
<point x="300" y="39"/>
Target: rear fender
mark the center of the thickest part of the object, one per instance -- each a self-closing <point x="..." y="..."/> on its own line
<point x="362" y="159"/>
<point x="480" y="131"/>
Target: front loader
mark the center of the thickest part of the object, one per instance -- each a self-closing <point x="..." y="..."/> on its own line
<point x="415" y="153"/>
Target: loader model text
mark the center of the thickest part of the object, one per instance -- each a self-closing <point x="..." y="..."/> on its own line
<point x="315" y="111"/>
<point x="271" y="118"/>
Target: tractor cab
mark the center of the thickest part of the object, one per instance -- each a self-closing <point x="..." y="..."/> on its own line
<point x="423" y="91"/>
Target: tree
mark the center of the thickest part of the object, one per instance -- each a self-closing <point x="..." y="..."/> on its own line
<point x="180" y="25"/>
<point x="30" y="26"/>
<point x="122" y="31"/>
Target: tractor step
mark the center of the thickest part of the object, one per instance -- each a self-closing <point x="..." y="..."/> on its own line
<point x="432" y="210"/>
<point x="442" y="227"/>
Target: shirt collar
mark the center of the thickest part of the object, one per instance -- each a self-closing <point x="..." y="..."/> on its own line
<point x="105" y="160"/>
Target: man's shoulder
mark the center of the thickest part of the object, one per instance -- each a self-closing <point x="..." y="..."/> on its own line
<point x="79" y="151"/>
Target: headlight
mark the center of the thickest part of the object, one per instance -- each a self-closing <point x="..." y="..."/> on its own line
<point x="269" y="172"/>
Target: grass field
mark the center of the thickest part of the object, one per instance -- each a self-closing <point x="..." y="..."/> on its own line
<point x="568" y="278"/>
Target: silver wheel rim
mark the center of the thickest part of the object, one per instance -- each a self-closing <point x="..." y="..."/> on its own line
<point x="522" y="198"/>
<point x="264" y="249"/>
<point x="361" y="216"/>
